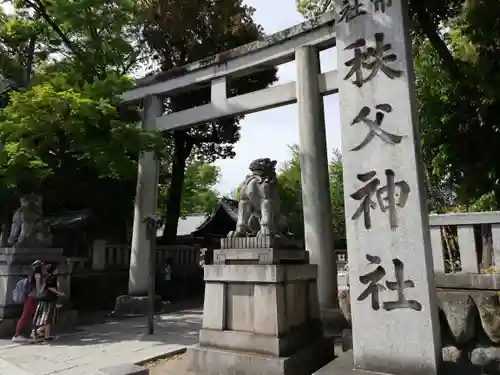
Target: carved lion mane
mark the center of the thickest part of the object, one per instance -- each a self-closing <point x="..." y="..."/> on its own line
<point x="264" y="170"/>
<point x="258" y="208"/>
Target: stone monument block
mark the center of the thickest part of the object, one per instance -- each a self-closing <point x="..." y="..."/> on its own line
<point x="30" y="239"/>
<point x="395" y="327"/>
<point x="278" y="242"/>
<point x="15" y="263"/>
<point x="267" y="255"/>
<point x="260" y="319"/>
<point x="261" y="312"/>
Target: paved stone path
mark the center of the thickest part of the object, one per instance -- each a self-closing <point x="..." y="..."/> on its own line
<point x="102" y="345"/>
<point x="176" y="365"/>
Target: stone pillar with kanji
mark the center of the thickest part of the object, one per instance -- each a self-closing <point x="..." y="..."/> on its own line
<point x="395" y="325"/>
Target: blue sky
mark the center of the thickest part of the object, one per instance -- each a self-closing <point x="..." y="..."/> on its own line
<point x="269" y="133"/>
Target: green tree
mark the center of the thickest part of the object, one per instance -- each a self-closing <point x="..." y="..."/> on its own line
<point x="456" y="52"/>
<point x="70" y="145"/>
<point x="336" y="178"/>
<point x="291" y="194"/>
<point x="94" y="37"/>
<point x="17" y="52"/>
<point x="180" y="32"/>
<point x="458" y="114"/>
<point x="199" y="194"/>
<point x="66" y="135"/>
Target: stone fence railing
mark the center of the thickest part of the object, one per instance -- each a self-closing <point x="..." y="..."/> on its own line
<point x="466" y="254"/>
<point x="341" y="255"/>
<point x="117" y="256"/>
<point x="461" y="243"/>
<point x="465" y="242"/>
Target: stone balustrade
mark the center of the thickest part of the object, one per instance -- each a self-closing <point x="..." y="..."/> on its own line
<point x="470" y="228"/>
<point x="76" y="264"/>
<point x="476" y="232"/>
<point x="117" y="256"/>
<point x="467" y="296"/>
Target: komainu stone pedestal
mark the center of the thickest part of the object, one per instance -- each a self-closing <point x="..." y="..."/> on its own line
<point x="15" y="263"/>
<point x="260" y="317"/>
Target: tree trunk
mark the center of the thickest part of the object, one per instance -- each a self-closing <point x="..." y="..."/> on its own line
<point x="182" y="149"/>
<point x="29" y="61"/>
<point x="431" y="30"/>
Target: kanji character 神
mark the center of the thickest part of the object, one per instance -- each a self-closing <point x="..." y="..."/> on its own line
<point x="392" y="195"/>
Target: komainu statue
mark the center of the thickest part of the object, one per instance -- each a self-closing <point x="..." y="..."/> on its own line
<point x="29" y="229"/>
<point x="259" y="205"/>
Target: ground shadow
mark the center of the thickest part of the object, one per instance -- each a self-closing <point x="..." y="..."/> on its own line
<point x="450" y="368"/>
<point x="179" y="327"/>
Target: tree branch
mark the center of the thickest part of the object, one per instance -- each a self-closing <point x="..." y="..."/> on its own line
<point x="40" y="8"/>
<point x="431" y="31"/>
<point x="30" y="52"/>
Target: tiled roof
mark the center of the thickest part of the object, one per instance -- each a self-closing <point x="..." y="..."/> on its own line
<point x="189" y="224"/>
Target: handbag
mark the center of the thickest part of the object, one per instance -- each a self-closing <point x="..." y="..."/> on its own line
<point x="45" y="295"/>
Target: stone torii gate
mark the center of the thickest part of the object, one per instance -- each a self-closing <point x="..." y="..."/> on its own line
<point x="394" y="310"/>
<point x="302" y="43"/>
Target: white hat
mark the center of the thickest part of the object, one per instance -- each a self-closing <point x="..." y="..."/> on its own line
<point x="37" y="263"/>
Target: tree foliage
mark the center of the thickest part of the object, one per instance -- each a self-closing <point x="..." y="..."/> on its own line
<point x="291" y="194"/>
<point x="458" y="113"/>
<point x="64" y="132"/>
<point x="180" y="32"/>
<point x="94" y="37"/>
<point x="67" y="136"/>
<point x="49" y="125"/>
<point x="198" y="194"/>
<point x="456" y="47"/>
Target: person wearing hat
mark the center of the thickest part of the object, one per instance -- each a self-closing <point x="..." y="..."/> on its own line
<point x="46" y="310"/>
<point x="30" y="302"/>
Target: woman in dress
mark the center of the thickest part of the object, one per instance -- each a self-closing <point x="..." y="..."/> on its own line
<point x="45" y="313"/>
<point x="35" y="286"/>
